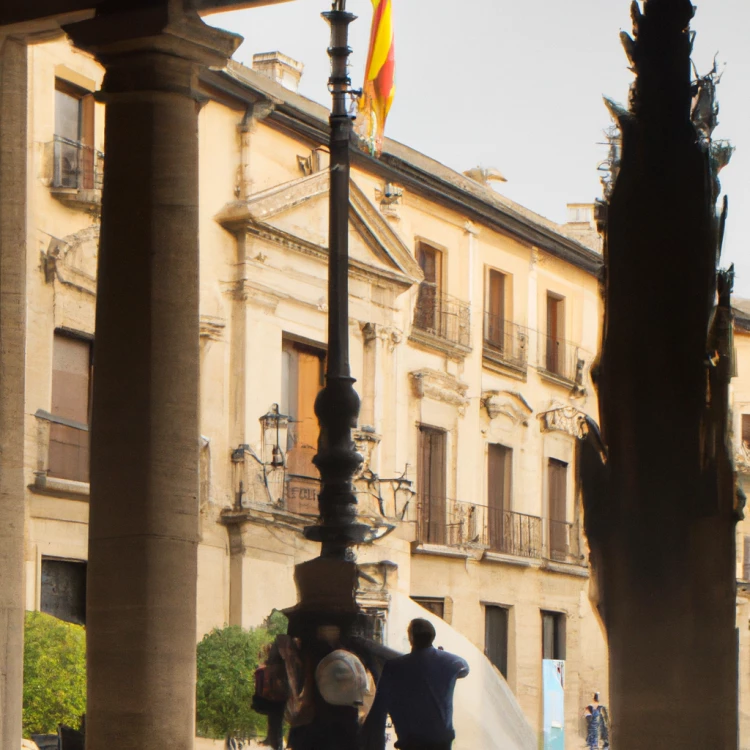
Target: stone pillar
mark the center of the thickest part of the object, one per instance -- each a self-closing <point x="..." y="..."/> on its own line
<point x="143" y="529"/>
<point x="13" y="196"/>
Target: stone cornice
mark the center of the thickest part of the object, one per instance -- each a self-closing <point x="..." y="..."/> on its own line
<point x="357" y="268"/>
<point x="212" y="328"/>
<point x="303" y="124"/>
<point x="252" y="216"/>
<point x="426" y="340"/>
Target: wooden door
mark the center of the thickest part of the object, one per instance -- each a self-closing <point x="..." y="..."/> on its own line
<point x="558" y="509"/>
<point x="554" y="334"/>
<point x="71" y="393"/>
<point x="303" y="380"/>
<point x="496" y="310"/>
<point x="428" y="302"/>
<point x="500" y="530"/>
<point x="431" y="488"/>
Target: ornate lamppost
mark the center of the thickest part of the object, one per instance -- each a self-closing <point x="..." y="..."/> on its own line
<point x="327" y="615"/>
<point x="337" y="405"/>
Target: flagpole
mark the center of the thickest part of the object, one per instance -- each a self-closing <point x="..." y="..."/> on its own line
<point x="337" y="405"/>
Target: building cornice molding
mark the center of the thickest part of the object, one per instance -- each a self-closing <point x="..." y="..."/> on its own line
<point x="357" y="268"/>
<point x="252" y="217"/>
<point x="394" y="169"/>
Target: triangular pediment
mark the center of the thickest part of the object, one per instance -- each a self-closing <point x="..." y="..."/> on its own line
<point x="299" y="209"/>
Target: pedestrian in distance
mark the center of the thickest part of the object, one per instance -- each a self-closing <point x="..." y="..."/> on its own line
<point x="416" y="690"/>
<point x="597" y="725"/>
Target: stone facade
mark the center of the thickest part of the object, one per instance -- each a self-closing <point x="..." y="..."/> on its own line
<point x="473" y="327"/>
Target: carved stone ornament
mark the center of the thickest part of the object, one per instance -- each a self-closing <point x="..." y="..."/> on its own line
<point x="212" y="328"/>
<point x="440" y="386"/>
<point x="507" y="404"/>
<point x="563" y="418"/>
<point x="388" y="335"/>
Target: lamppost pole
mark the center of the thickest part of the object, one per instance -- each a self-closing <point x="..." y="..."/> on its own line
<point x="337" y="405"/>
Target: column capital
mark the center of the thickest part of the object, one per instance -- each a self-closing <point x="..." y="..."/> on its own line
<point x="152" y="49"/>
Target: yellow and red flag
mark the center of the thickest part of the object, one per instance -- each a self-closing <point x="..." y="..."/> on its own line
<point x="379" y="86"/>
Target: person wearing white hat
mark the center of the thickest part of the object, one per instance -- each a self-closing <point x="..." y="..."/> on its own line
<point x="416" y="690"/>
<point x="342" y="679"/>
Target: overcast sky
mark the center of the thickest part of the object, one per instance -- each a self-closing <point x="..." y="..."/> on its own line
<point x="518" y="85"/>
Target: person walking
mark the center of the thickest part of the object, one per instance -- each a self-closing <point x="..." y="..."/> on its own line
<point x="597" y="720"/>
<point x="416" y="690"/>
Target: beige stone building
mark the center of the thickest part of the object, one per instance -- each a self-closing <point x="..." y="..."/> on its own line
<point x="473" y="325"/>
<point x="740" y="395"/>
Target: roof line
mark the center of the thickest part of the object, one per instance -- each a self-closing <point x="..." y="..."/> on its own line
<point x="304" y="117"/>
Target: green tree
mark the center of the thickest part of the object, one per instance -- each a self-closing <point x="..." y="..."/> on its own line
<point x="227" y="660"/>
<point x="54" y="674"/>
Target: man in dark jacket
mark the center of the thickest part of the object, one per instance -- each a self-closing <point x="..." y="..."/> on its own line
<point x="416" y="690"/>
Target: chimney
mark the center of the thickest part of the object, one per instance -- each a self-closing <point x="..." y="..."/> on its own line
<point x="280" y="68"/>
<point x="581" y="225"/>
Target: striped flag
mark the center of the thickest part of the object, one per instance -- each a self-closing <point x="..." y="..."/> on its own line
<point x="379" y="86"/>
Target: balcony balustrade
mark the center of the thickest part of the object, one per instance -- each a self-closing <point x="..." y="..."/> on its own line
<point x="76" y="165"/>
<point x="560" y="358"/>
<point x="442" y="316"/>
<point x="452" y="523"/>
<point x="455" y="523"/>
<point x="505" y="342"/>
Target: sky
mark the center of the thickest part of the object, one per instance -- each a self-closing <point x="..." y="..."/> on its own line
<point x="518" y="85"/>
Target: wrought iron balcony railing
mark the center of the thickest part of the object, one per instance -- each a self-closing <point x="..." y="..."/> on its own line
<point x="562" y="358"/>
<point x="454" y="523"/>
<point x="506" y="341"/>
<point x="563" y="542"/>
<point x="442" y="316"/>
<point x="75" y="165"/>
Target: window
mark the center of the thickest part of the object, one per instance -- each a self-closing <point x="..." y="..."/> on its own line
<point x="64" y="589"/>
<point x="499" y="474"/>
<point x="74" y="136"/>
<point x="427" y="314"/>
<point x="436" y="605"/>
<point x="431" y="463"/>
<point x="71" y="396"/>
<point x="496" y="637"/>
<point x="746" y="429"/>
<point x="557" y="476"/>
<point x="303" y="373"/>
<point x="553" y="635"/>
<point x="495" y="324"/>
<point x="555" y="351"/>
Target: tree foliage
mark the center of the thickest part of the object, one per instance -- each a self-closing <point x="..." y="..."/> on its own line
<point x="227" y="660"/>
<point x="54" y="674"/>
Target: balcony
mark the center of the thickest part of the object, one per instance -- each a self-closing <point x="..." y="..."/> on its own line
<point x="456" y="524"/>
<point x="563" y="542"/>
<point x="561" y="360"/>
<point x="77" y="173"/>
<point x="442" y="321"/>
<point x="505" y="344"/>
<point x="451" y="523"/>
<point x="62" y="455"/>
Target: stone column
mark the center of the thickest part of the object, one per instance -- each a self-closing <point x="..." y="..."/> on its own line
<point x="143" y="529"/>
<point x="13" y="196"/>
